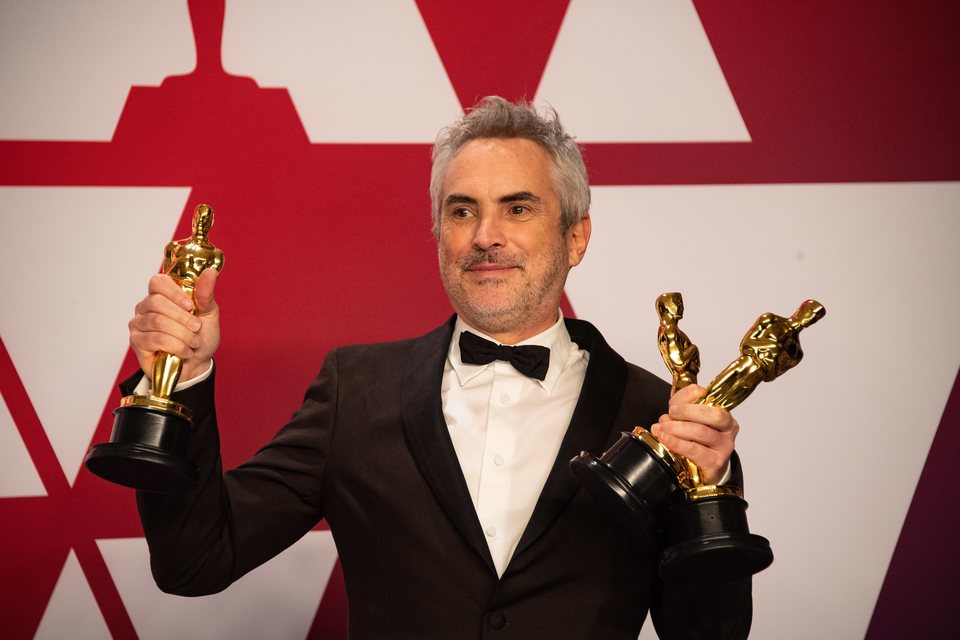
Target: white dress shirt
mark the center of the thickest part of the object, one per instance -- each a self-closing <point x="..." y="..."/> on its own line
<point x="507" y="428"/>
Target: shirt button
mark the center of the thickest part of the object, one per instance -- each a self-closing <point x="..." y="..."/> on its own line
<point x="505" y="398"/>
<point x="491" y="531"/>
<point x="497" y="620"/>
<point x="498" y="460"/>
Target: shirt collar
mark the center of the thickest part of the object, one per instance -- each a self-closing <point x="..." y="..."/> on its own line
<point x="563" y="352"/>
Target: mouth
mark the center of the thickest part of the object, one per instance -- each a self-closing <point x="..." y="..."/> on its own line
<point x="491" y="271"/>
<point x="490" y="267"/>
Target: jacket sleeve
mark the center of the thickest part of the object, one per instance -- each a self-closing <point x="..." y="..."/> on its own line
<point x="202" y="540"/>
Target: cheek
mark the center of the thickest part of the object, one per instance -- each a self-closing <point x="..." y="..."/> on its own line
<point x="453" y="239"/>
<point x="449" y="250"/>
<point x="448" y="253"/>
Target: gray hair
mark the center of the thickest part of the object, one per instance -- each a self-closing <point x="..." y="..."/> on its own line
<point x="495" y="117"/>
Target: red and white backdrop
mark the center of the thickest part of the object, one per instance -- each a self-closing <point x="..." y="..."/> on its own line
<point x="748" y="153"/>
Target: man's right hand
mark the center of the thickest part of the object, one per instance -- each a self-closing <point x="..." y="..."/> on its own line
<point x="163" y="322"/>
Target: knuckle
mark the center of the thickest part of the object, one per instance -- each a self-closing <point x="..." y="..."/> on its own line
<point x="702" y="433"/>
<point x="150" y="303"/>
<point x="167" y="343"/>
<point x="145" y="342"/>
<point x="156" y="283"/>
<point x="150" y="321"/>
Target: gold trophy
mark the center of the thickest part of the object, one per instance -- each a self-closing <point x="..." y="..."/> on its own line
<point x="659" y="495"/>
<point x="148" y="443"/>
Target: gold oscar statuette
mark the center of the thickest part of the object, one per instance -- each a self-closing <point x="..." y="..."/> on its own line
<point x="149" y="438"/>
<point x="660" y="495"/>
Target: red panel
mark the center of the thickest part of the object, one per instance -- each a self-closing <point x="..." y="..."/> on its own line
<point x="919" y="595"/>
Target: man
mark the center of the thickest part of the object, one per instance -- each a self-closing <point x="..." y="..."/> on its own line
<point x="443" y="473"/>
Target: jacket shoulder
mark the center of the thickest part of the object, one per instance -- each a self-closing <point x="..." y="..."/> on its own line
<point x="438" y="338"/>
<point x="391" y="359"/>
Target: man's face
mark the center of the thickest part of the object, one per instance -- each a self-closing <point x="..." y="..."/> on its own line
<point x="503" y="259"/>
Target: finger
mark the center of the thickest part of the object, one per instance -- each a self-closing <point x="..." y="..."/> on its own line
<point x="690" y="393"/>
<point x="159" y="323"/>
<point x="701" y="454"/>
<point x="163" y="285"/>
<point x="711" y="461"/>
<point x="715" y="417"/>
<point x="693" y="432"/>
<point x="147" y="344"/>
<point x="203" y="292"/>
<point x="160" y="305"/>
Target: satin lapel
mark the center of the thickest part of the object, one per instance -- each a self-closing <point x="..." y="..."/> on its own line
<point x="429" y="440"/>
<point x="589" y="429"/>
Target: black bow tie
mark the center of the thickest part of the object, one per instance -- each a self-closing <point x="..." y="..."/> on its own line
<point x="531" y="360"/>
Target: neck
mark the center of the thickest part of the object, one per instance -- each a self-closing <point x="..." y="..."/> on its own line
<point x="518" y="335"/>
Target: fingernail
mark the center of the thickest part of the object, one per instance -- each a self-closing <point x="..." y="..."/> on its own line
<point x="194" y="324"/>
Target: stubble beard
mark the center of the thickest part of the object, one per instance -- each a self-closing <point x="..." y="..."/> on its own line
<point x="519" y="308"/>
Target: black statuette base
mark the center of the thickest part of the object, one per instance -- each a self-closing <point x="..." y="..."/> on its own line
<point x="703" y="540"/>
<point x="710" y="542"/>
<point x="147" y="451"/>
<point x="632" y="485"/>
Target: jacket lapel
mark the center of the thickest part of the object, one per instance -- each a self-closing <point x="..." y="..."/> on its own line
<point x="590" y="427"/>
<point x="429" y="440"/>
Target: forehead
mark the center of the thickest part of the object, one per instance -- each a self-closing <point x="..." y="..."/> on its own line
<point x="500" y="165"/>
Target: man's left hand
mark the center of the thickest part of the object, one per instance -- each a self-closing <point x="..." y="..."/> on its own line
<point x="701" y="433"/>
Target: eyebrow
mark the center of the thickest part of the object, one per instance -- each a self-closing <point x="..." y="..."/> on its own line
<point x="519" y="196"/>
<point x="459" y="198"/>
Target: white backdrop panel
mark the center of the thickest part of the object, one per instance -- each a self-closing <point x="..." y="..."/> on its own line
<point x="75" y="89"/>
<point x="653" y="78"/>
<point x="344" y="63"/>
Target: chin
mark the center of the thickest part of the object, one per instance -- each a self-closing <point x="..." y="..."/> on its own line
<point x="491" y="318"/>
<point x="490" y="306"/>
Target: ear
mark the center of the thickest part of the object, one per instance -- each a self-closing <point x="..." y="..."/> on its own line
<point x="578" y="237"/>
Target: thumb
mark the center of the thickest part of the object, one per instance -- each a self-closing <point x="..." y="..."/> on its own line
<point x="203" y="292"/>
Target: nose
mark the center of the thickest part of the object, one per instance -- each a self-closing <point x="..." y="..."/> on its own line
<point x="489" y="233"/>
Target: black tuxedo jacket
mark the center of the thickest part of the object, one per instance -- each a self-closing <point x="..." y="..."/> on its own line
<point x="369" y="451"/>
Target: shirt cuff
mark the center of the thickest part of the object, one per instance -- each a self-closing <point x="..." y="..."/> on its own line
<point x="143" y="387"/>
<point x="727" y="474"/>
